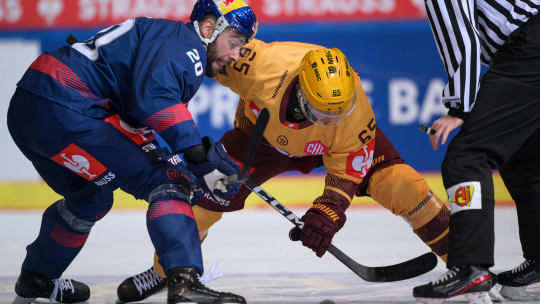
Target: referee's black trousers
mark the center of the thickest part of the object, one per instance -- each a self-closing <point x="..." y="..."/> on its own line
<point x="501" y="132"/>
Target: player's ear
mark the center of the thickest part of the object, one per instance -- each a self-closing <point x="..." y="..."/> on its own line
<point x="207" y="27"/>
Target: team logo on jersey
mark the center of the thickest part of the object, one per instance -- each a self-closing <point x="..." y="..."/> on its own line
<point x="138" y="136"/>
<point x="282" y="140"/>
<point x="79" y="161"/>
<point x="315" y="148"/>
<point x="359" y="162"/>
<point x="465" y="196"/>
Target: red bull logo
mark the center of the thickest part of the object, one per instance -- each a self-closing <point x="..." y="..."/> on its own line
<point x="463" y="195"/>
<point x="227" y="2"/>
<point x="230" y="5"/>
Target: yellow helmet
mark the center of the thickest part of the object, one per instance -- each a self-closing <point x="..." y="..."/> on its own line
<point x="327" y="92"/>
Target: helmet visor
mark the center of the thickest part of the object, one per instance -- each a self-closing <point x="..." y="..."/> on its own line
<point x="320" y="117"/>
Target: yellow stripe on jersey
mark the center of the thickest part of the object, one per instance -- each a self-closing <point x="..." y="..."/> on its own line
<point x="339" y="191"/>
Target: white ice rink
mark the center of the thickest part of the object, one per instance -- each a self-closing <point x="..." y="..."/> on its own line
<point x="254" y="254"/>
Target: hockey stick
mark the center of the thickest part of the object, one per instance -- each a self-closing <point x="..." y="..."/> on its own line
<point x="254" y="142"/>
<point x="402" y="271"/>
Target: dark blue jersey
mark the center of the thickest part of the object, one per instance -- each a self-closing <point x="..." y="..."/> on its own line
<point x="145" y="70"/>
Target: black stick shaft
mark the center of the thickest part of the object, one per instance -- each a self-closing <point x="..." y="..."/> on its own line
<point x="254" y="142"/>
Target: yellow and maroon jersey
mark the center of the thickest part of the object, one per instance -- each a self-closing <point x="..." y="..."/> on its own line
<point x="265" y="76"/>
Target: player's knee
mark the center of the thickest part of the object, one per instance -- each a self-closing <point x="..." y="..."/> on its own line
<point x="151" y="179"/>
<point x="74" y="220"/>
<point x="174" y="191"/>
<point x="399" y="188"/>
<point x="82" y="214"/>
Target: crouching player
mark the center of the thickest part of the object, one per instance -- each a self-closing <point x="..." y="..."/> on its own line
<point x="68" y="117"/>
<point x="319" y="116"/>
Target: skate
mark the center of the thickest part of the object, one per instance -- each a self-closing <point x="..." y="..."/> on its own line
<point x="140" y="286"/>
<point x="515" y="281"/>
<point x="473" y="282"/>
<point x="184" y="287"/>
<point x="31" y="285"/>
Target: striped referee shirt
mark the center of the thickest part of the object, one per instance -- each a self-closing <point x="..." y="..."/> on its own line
<point x="468" y="33"/>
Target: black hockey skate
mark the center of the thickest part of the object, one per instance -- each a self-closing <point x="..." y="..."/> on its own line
<point x="473" y="282"/>
<point x="514" y="281"/>
<point x="32" y="285"/>
<point x="525" y="274"/>
<point x="184" y="287"/>
<point x="140" y="286"/>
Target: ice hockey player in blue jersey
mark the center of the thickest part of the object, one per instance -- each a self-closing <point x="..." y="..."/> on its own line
<point x="85" y="114"/>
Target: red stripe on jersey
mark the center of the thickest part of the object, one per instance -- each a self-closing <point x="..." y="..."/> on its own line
<point x="168" y="117"/>
<point x="62" y="74"/>
<point x="161" y="208"/>
<point x="67" y="238"/>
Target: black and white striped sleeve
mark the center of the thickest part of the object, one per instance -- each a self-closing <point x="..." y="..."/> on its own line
<point x="453" y="23"/>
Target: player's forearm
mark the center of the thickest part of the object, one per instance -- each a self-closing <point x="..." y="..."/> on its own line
<point x="337" y="191"/>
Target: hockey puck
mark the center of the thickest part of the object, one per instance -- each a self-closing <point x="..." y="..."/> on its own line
<point x="327" y="302"/>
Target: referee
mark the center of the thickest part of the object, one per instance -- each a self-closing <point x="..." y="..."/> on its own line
<point x="499" y="115"/>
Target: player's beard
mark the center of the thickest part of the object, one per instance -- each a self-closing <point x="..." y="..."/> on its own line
<point x="211" y="55"/>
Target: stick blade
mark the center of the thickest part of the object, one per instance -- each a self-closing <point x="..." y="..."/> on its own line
<point x="397" y="272"/>
<point x="405" y="270"/>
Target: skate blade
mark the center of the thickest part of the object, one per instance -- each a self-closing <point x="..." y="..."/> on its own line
<point x="518" y="294"/>
<point x="429" y="300"/>
<point x="20" y="300"/>
<point x="472" y="298"/>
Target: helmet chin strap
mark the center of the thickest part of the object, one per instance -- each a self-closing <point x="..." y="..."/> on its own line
<point x="221" y="25"/>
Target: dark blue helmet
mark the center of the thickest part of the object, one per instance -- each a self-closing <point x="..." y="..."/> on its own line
<point x="234" y="13"/>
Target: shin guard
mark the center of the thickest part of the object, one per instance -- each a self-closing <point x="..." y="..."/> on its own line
<point x="61" y="237"/>
<point x="205" y="219"/>
<point x="173" y="232"/>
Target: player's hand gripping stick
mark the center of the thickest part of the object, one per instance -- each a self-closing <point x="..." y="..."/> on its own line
<point x="402" y="271"/>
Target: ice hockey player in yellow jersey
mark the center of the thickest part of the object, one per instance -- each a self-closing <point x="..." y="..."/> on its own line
<point x="319" y="116"/>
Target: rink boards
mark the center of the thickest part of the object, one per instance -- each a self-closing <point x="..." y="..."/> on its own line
<point x="292" y="190"/>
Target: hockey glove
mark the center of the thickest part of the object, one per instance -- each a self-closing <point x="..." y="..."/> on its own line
<point x="178" y="172"/>
<point x="213" y="175"/>
<point x="321" y="222"/>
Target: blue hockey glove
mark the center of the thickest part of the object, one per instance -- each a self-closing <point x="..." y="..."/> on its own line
<point x="214" y="174"/>
<point x="177" y="170"/>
